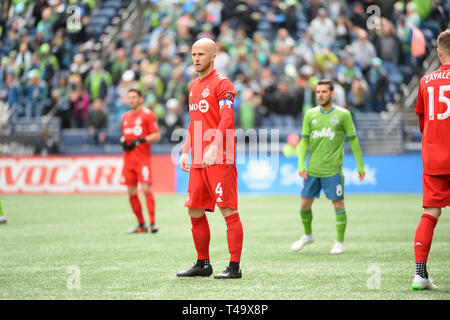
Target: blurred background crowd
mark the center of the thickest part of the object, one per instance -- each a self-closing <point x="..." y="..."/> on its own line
<point x="274" y="51"/>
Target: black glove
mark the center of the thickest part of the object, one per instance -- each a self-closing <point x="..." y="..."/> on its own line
<point x="134" y="143"/>
<point x="126" y="146"/>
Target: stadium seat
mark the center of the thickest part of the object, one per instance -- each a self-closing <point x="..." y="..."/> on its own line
<point x="74" y="137"/>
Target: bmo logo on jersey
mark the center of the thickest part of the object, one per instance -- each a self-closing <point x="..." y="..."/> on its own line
<point x="203" y="106"/>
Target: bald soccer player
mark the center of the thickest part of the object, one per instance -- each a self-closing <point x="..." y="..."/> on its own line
<point x="212" y="174"/>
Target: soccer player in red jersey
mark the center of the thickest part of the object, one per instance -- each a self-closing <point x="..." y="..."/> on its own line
<point x="212" y="175"/>
<point x="139" y="130"/>
<point x="433" y="109"/>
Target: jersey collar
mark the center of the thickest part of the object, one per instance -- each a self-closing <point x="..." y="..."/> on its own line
<point x="209" y="74"/>
<point x="329" y="111"/>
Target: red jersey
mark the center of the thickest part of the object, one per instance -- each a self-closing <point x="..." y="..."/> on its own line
<point x="134" y="126"/>
<point x="433" y="103"/>
<point x="211" y="108"/>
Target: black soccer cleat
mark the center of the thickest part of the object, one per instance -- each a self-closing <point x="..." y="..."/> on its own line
<point x="196" y="271"/>
<point x="229" y="273"/>
<point x="153" y="228"/>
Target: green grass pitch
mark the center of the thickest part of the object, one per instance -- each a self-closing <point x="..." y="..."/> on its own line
<point x="51" y="242"/>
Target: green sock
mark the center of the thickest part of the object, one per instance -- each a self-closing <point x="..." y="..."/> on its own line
<point x="1" y="210"/>
<point x="341" y="223"/>
<point x="306" y="216"/>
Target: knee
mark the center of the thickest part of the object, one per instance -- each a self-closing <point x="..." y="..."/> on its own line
<point x="339" y="204"/>
<point x="132" y="191"/>
<point x="196" y="213"/>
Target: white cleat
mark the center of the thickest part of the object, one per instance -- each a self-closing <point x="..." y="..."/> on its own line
<point x="304" y="240"/>
<point x="337" y="248"/>
<point x="420" y="283"/>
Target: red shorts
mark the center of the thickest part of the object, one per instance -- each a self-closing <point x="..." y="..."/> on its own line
<point x="436" y="191"/>
<point x="141" y="173"/>
<point x="215" y="185"/>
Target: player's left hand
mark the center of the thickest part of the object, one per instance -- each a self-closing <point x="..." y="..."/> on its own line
<point x="209" y="158"/>
<point x="361" y="176"/>
<point x="134" y="143"/>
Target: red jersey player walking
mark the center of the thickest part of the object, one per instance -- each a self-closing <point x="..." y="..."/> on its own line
<point x="213" y="176"/>
<point x="433" y="109"/>
<point x="139" y="130"/>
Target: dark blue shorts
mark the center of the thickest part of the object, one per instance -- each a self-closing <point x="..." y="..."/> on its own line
<point x="333" y="187"/>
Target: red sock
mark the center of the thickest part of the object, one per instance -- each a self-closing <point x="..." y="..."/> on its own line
<point x="424" y="237"/>
<point x="150" y="199"/>
<point x="235" y="236"/>
<point x="137" y="208"/>
<point x="201" y="235"/>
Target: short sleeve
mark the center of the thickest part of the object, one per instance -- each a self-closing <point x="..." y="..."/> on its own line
<point x="152" y="122"/>
<point x="225" y="90"/>
<point x="349" y="126"/>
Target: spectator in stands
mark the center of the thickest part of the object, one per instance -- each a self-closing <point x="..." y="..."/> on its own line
<point x="35" y="95"/>
<point x="61" y="48"/>
<point x="358" y="96"/>
<point x="412" y="17"/>
<point x="119" y="65"/>
<point x="277" y="14"/>
<point x="214" y="8"/>
<point x="60" y="101"/>
<point x="247" y="109"/>
<point x="322" y="29"/>
<point x="176" y="87"/>
<point x="305" y="92"/>
<point x="10" y="91"/>
<point x="364" y="51"/>
<point x="98" y="81"/>
<point x="387" y="44"/>
<point x="172" y="119"/>
<point x="307" y="49"/>
<point x="97" y="122"/>
<point x="343" y="36"/>
<point x="48" y="63"/>
<point x="226" y="36"/>
<point x="335" y="8"/>
<point x="260" y="47"/>
<point x="323" y="58"/>
<point x="358" y="16"/>
<point x="79" y="103"/>
<point x="223" y="62"/>
<point x="23" y="58"/>
<point x="348" y="70"/>
<point x="119" y="101"/>
<point x="285" y="110"/>
<point x="283" y="39"/>
<point x="151" y="16"/>
<point x="47" y="145"/>
<point x="79" y="66"/>
<point x="378" y="83"/>
<point x="45" y="26"/>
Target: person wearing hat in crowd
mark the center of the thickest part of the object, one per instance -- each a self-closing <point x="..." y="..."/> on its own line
<point x="49" y="65"/>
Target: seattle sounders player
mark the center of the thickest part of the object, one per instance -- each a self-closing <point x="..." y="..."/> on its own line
<point x="324" y="130"/>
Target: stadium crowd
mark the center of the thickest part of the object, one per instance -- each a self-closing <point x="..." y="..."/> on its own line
<point x="273" y="50"/>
